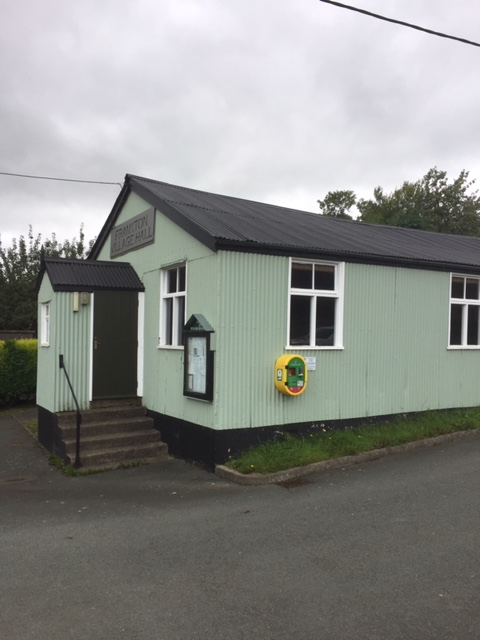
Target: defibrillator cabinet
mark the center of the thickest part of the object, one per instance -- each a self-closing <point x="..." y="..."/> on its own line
<point x="291" y="376"/>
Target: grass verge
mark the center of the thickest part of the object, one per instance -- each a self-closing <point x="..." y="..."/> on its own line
<point x="293" y="451"/>
<point x="32" y="427"/>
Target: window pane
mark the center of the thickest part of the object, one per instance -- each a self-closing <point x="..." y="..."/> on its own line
<point x="324" y="277"/>
<point x="171" y="280"/>
<point x="300" y="320"/>
<point x="456" y="315"/>
<point x="180" y="318"/>
<point x="472" y="289"/>
<point x="301" y="276"/>
<point x="181" y="278"/>
<point x="325" y="322"/>
<point x="45" y="321"/>
<point x="457" y="287"/>
<point x="168" y="307"/>
<point x="472" y="330"/>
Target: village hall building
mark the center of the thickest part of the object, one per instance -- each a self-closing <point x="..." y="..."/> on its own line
<point x="228" y="321"/>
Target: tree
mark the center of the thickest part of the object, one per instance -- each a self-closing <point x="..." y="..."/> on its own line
<point x="19" y="267"/>
<point x="431" y="203"/>
<point x="337" y="204"/>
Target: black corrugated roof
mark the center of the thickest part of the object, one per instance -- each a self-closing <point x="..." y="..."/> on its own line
<point x="83" y="275"/>
<point x="225" y="222"/>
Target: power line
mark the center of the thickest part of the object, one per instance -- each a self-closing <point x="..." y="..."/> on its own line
<point x="22" y="175"/>
<point x="403" y="24"/>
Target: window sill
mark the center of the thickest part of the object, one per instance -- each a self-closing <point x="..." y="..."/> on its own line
<point x="307" y="348"/>
<point x="170" y="347"/>
<point x="463" y="347"/>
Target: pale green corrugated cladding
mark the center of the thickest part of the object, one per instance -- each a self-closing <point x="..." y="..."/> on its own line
<point x="395" y="357"/>
<point x="163" y="368"/>
<point x="252" y="332"/>
<point x="396" y="335"/>
<point x="69" y="336"/>
<point x="46" y="369"/>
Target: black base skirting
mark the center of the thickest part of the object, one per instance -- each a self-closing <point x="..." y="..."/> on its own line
<point x="49" y="434"/>
<point x="209" y="447"/>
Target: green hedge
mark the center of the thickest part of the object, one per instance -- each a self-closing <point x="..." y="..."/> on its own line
<point x="18" y="371"/>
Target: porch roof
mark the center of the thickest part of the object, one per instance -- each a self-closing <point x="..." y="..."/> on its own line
<point x="92" y="275"/>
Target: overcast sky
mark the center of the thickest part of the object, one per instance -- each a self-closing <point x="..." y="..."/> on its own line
<point x="279" y="101"/>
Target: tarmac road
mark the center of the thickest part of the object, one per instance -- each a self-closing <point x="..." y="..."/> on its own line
<point x="386" y="550"/>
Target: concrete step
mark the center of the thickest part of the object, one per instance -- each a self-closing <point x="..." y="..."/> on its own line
<point x="101" y="414"/>
<point x="105" y="442"/>
<point x="116" y="402"/>
<point x="111" y="434"/>
<point x="115" y="457"/>
<point x="108" y="427"/>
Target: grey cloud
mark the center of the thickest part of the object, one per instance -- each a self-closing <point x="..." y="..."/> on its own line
<point x="265" y="100"/>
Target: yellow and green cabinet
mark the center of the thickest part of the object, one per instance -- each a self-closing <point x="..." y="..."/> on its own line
<point x="190" y="300"/>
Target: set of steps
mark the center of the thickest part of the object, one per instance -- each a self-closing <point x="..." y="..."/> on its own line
<point x="112" y="434"/>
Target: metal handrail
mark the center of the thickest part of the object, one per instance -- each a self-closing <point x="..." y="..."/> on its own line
<point x="77" y="462"/>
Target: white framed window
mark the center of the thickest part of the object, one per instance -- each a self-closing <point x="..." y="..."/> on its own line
<point x="315" y="318"/>
<point x="45" y="324"/>
<point x="172" y="305"/>
<point x="464" y="322"/>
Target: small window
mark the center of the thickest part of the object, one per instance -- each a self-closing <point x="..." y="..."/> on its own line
<point x="172" y="311"/>
<point x="45" y="325"/>
<point x="464" y="312"/>
<point x="316" y="305"/>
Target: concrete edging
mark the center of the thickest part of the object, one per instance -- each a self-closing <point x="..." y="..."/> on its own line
<point x="254" y="479"/>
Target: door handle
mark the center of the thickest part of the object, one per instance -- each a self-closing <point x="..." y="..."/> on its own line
<point x="96" y="344"/>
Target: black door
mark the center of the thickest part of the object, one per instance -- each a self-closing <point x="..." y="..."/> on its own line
<point x="115" y="344"/>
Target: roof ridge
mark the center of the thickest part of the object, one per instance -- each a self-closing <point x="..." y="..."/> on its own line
<point x="205" y="208"/>
<point x="221" y="195"/>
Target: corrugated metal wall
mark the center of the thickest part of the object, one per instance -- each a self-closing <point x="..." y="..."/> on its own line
<point x="73" y="331"/>
<point x="252" y="332"/>
<point x="47" y="361"/>
<point x="395" y="357"/>
<point x="163" y="379"/>
<point x="163" y="368"/>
